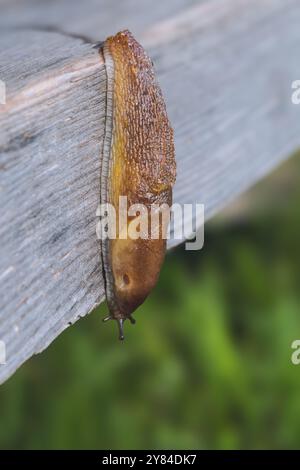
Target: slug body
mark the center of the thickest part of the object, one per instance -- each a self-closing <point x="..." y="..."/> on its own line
<point x="139" y="163"/>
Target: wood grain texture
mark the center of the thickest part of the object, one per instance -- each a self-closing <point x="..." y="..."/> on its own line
<point x="50" y="146"/>
<point x="92" y="19"/>
<point x="225" y="68"/>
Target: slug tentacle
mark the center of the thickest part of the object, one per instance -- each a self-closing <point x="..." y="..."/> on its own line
<point x="108" y="318"/>
<point x="138" y="162"/>
<point x="121" y="328"/>
<point x="132" y="320"/>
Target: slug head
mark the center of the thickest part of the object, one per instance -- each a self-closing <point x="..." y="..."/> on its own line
<point x="136" y="265"/>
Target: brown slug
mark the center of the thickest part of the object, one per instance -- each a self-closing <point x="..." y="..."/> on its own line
<point x="138" y="162"/>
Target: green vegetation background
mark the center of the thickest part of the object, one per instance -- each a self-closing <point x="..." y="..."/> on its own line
<point x="206" y="366"/>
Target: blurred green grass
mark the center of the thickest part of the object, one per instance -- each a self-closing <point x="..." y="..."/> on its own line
<point x="207" y="366"/>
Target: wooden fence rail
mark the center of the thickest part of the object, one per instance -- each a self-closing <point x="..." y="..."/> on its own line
<point x="226" y="68"/>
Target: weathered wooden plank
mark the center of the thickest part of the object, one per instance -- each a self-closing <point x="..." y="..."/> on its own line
<point x="226" y="70"/>
<point x="50" y="145"/>
<point x="93" y="19"/>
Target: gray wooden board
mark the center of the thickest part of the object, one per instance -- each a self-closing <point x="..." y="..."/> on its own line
<point x="93" y="19"/>
<point x="50" y="145"/>
<point x="226" y="69"/>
